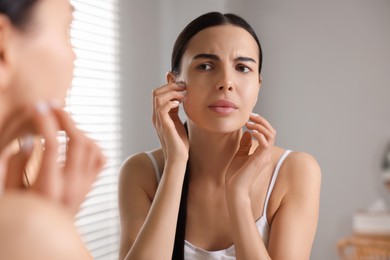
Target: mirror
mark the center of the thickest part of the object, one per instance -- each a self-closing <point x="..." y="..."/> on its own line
<point x="325" y="88"/>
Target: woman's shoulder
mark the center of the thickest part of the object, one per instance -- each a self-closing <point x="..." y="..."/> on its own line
<point x="298" y="181"/>
<point x="141" y="161"/>
<point x="138" y="169"/>
<point x="301" y="163"/>
<point x="28" y="214"/>
<point x="299" y="170"/>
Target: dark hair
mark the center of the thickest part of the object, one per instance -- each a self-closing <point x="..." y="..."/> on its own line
<point x="202" y="22"/>
<point x="18" y="11"/>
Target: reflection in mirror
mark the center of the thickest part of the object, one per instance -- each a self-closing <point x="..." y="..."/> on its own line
<point x="325" y="89"/>
<point x="208" y="182"/>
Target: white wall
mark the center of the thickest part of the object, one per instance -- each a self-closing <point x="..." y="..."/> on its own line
<point x="326" y="87"/>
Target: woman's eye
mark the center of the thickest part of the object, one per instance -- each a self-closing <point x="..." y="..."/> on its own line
<point x="243" y="68"/>
<point x="204" y="66"/>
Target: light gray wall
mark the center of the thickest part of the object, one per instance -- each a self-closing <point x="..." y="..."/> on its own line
<point x="148" y="31"/>
<point x="326" y="87"/>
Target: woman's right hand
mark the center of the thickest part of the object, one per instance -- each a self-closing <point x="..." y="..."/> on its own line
<point x="65" y="184"/>
<point x="166" y="120"/>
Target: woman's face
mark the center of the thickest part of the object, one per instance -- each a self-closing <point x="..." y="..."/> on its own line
<point x="43" y="56"/>
<point x="220" y="69"/>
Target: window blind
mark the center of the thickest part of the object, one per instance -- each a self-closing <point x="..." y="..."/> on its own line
<point x="93" y="102"/>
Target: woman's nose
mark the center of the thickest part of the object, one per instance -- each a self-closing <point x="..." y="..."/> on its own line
<point x="225" y="83"/>
<point x="225" y="86"/>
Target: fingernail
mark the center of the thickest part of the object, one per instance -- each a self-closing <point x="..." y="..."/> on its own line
<point x="181" y="84"/>
<point x="250" y="122"/>
<point x="27" y="143"/>
<point x="42" y="108"/>
<point x="176" y="102"/>
<point x="184" y="92"/>
<point x="254" y="114"/>
<point x="255" y="131"/>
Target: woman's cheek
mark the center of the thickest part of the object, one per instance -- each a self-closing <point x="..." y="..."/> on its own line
<point x="252" y="95"/>
<point x="191" y="106"/>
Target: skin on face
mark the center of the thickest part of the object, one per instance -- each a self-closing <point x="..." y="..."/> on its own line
<point x="41" y="55"/>
<point x="220" y="64"/>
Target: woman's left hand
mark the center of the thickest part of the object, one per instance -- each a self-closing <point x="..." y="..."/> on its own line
<point x="65" y="183"/>
<point x="245" y="168"/>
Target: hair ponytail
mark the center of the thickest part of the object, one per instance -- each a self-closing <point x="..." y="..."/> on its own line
<point x="178" y="249"/>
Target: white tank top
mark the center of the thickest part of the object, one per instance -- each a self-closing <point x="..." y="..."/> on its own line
<point x="192" y="252"/>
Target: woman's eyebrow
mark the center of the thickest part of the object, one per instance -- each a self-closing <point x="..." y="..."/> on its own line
<point x="245" y="59"/>
<point x="216" y="57"/>
<point x="206" y="56"/>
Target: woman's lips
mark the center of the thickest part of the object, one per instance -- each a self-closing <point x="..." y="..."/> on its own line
<point x="223" y="107"/>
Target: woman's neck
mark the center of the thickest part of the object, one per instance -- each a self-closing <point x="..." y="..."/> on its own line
<point x="211" y="153"/>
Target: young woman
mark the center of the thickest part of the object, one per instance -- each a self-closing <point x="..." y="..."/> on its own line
<point x="213" y="191"/>
<point x="36" y="63"/>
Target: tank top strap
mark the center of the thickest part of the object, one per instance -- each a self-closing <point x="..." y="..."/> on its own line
<point x="273" y="180"/>
<point x="155" y="165"/>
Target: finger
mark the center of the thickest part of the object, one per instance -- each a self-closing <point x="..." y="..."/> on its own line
<point x="261" y="129"/>
<point x="262" y="155"/>
<point x="261" y="139"/>
<point x="168" y="96"/>
<point x="84" y="158"/>
<point x="80" y="173"/>
<point x="164" y="113"/>
<point x="79" y="145"/>
<point x="256" y="118"/>
<point x="84" y="161"/>
<point x="161" y="98"/>
<point x="179" y="86"/>
<point x="17" y="165"/>
<point x="76" y="144"/>
<point x="48" y="179"/>
<point x="95" y="164"/>
<point x="15" y="172"/>
<point x="97" y="161"/>
<point x="168" y="110"/>
<point x="245" y="144"/>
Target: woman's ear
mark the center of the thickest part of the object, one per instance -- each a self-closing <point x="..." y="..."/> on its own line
<point x="5" y="29"/>
<point x="171" y="77"/>
<point x="260" y="81"/>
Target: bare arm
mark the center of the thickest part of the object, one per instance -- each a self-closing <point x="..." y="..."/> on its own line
<point x="248" y="243"/>
<point x="37" y="229"/>
<point x="294" y="223"/>
<point x="148" y="228"/>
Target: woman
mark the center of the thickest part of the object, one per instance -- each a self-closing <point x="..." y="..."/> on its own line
<point x="36" y="63"/>
<point x="212" y="191"/>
